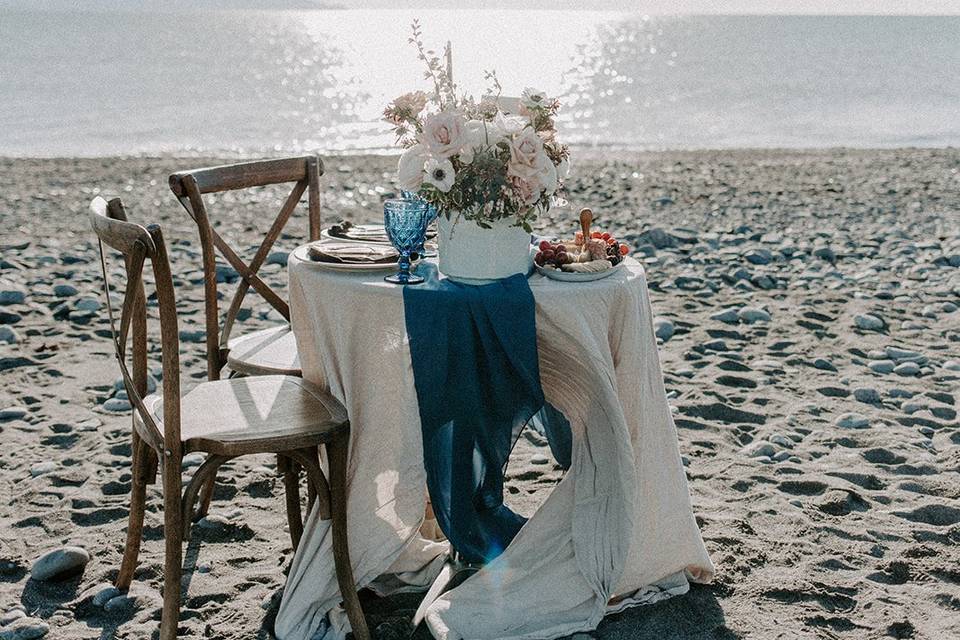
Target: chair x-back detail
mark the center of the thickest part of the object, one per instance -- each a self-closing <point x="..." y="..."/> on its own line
<point x="270" y="350"/>
<point x="276" y="414"/>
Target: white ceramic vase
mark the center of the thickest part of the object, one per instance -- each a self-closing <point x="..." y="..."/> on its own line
<point x="473" y="255"/>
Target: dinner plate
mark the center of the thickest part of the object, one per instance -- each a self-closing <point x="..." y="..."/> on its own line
<point x="570" y="276"/>
<point x="303" y="254"/>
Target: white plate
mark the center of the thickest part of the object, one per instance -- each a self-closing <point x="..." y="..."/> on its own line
<point x="303" y="254"/>
<point x="569" y="276"/>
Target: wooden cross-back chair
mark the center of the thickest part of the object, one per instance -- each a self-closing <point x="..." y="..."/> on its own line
<point x="269" y="351"/>
<point x="224" y="419"/>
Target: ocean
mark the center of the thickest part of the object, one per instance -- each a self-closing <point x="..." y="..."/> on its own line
<point x="81" y="83"/>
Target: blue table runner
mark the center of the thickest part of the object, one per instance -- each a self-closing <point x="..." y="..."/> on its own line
<point x="477" y="377"/>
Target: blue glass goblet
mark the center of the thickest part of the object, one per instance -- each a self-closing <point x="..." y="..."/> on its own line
<point x="422" y="251"/>
<point x="406" y="223"/>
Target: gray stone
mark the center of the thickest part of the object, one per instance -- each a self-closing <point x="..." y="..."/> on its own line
<point x="12" y="296"/>
<point x="87" y="304"/>
<point x="907" y="369"/>
<point x="781" y="440"/>
<point x="117" y="405"/>
<point x="226" y="273"/>
<point x="10" y="616"/>
<point x="12" y="413"/>
<point x="767" y="365"/>
<point x="783" y="455"/>
<point x="192" y="336"/>
<point x="868" y="395"/>
<point x="689" y="283"/>
<point x="898" y="354"/>
<point x="42" y="468"/>
<point x="64" y="290"/>
<point x="8" y="317"/>
<point x="715" y="345"/>
<point x="759" y="256"/>
<point x="122" y="602"/>
<point x="213" y="521"/>
<point x="952" y="365"/>
<point x="539" y="458"/>
<point x="852" y="421"/>
<point x="824" y="365"/>
<point x="25" y="629"/>
<point x="881" y="366"/>
<point x="278" y="257"/>
<point x="104" y="593"/>
<point x="912" y="407"/>
<point x="825" y="253"/>
<point x="753" y="314"/>
<point x="89" y="425"/>
<point x="663" y="328"/>
<point x="659" y="238"/>
<point x="728" y="316"/>
<point x="765" y="282"/>
<point x="868" y="322"/>
<point x="760" y="449"/>
<point x="897" y="392"/>
<point x="9" y="335"/>
<point x="62" y="562"/>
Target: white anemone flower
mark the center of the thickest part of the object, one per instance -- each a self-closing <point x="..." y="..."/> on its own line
<point x="439" y="173"/>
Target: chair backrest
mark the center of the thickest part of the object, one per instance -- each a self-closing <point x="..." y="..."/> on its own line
<point x="190" y="186"/>
<point x="139" y="244"/>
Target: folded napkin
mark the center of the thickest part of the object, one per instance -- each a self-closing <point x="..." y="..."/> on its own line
<point x="352" y="253"/>
<point x="365" y="232"/>
<point x="346" y="230"/>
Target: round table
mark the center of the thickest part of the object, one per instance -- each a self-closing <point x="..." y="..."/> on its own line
<point x="618" y="528"/>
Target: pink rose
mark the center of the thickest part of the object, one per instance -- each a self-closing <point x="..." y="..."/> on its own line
<point x="526" y="191"/>
<point x="525" y="150"/>
<point x="444" y="134"/>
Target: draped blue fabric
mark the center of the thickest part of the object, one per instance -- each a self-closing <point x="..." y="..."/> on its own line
<point x="477" y="377"/>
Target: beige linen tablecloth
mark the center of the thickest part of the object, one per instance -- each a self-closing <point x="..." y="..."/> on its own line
<point x="619" y="524"/>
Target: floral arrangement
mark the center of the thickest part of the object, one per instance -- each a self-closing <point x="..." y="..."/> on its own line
<point x="471" y="159"/>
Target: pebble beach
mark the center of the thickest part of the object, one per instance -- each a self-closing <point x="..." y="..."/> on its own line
<point x="808" y="313"/>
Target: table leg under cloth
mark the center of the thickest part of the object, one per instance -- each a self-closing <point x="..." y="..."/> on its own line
<point x="619" y="522"/>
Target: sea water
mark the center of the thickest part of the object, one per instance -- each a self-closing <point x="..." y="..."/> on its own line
<point x="87" y="83"/>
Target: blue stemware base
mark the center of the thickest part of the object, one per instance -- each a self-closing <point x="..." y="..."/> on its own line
<point x="404" y="278"/>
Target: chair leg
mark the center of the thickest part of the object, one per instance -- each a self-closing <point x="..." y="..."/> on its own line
<point x="206" y="495"/>
<point x="337" y="452"/>
<point x="291" y="484"/>
<point x="140" y="472"/>
<point x="311" y="487"/>
<point x="173" y="540"/>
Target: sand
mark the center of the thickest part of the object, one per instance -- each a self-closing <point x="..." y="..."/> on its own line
<point x="808" y="307"/>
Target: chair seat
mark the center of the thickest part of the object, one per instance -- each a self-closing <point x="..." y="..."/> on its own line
<point x="266" y="352"/>
<point x="258" y="414"/>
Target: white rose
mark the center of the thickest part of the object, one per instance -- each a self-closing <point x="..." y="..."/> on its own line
<point x="506" y="126"/>
<point x="533" y="98"/>
<point x="480" y="134"/>
<point x="439" y="173"/>
<point x="410" y="167"/>
<point x="444" y="134"/>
